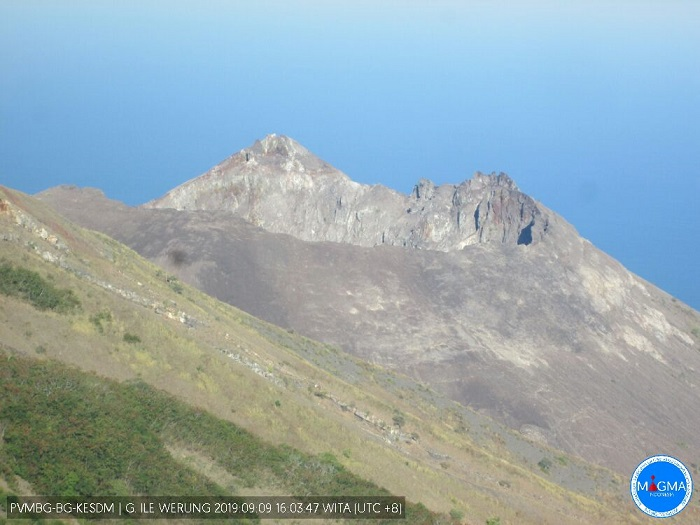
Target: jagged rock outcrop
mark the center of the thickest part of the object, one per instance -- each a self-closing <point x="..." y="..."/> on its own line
<point x="279" y="185"/>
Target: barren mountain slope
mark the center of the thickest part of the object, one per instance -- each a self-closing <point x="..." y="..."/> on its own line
<point x="552" y="337"/>
<point x="135" y="321"/>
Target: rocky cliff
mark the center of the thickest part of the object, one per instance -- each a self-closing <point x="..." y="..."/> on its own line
<point x="279" y="185"/>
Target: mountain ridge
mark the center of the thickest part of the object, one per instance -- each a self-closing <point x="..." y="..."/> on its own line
<point x="279" y="185"/>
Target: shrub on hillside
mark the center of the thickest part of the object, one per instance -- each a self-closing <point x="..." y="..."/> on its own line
<point x="29" y="286"/>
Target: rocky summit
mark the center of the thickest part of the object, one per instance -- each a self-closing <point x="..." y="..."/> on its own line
<point x="279" y="185"/>
<point x="505" y="309"/>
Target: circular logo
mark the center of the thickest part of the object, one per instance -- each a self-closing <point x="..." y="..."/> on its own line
<point x="661" y="486"/>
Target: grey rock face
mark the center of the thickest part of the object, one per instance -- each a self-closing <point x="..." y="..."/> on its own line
<point x="279" y="185"/>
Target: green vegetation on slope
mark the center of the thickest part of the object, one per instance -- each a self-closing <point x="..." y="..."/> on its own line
<point x="73" y="434"/>
<point x="31" y="287"/>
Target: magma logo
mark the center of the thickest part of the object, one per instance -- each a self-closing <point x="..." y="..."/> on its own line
<point x="661" y="486"/>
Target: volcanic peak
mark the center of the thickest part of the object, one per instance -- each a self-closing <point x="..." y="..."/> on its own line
<point x="281" y="186"/>
<point x="280" y="151"/>
<point x="279" y="145"/>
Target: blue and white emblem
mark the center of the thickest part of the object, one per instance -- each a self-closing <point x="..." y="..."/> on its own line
<point x="661" y="486"/>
